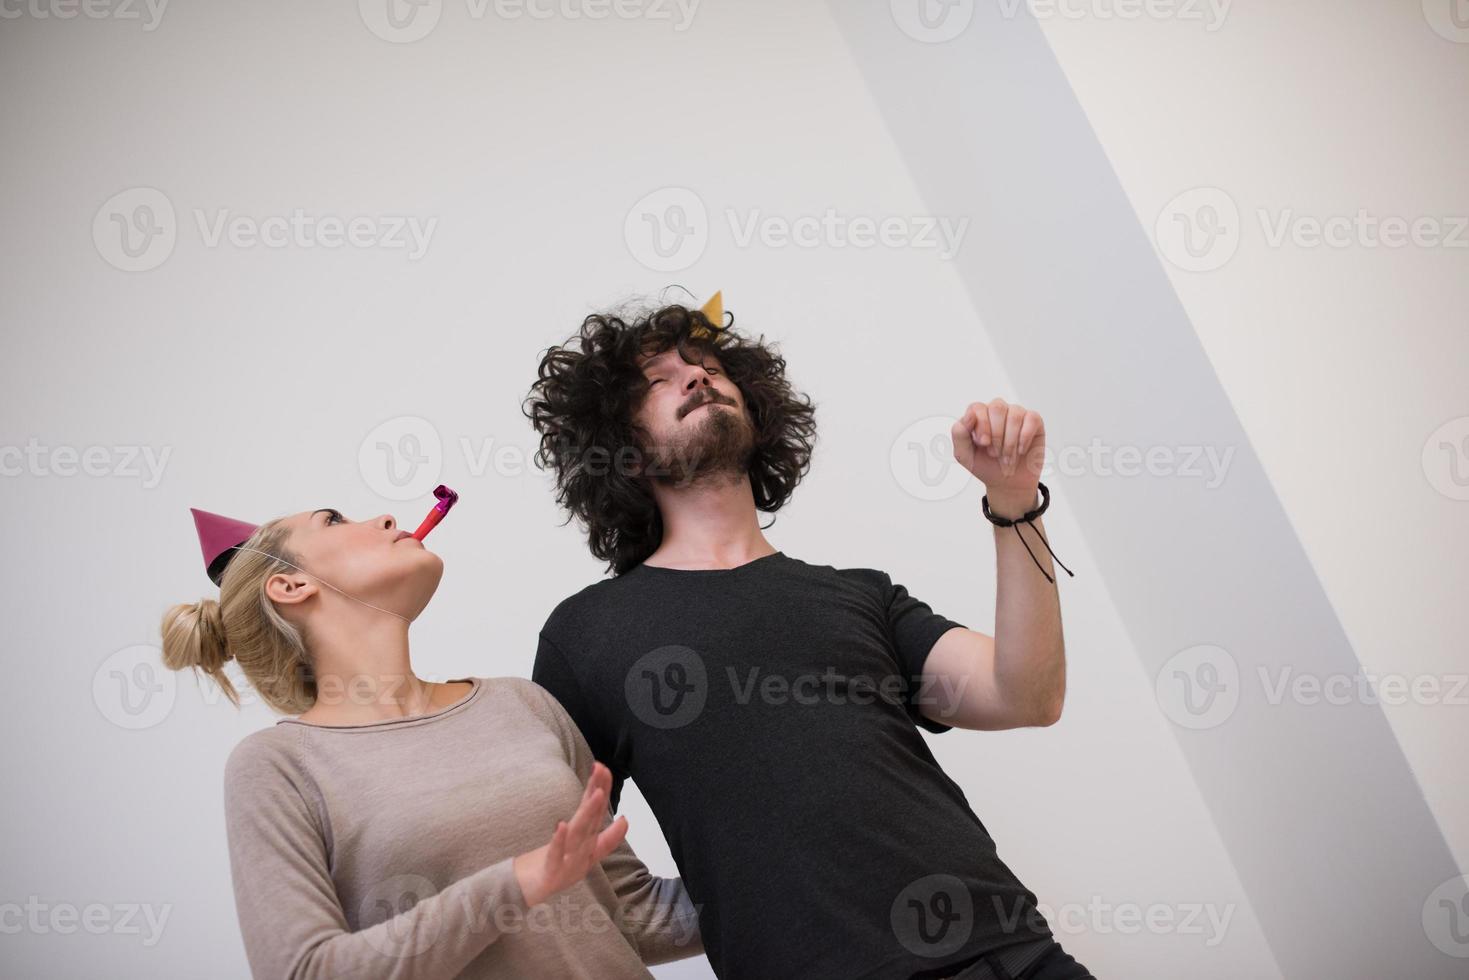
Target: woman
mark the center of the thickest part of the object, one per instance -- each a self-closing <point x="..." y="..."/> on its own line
<point x="398" y="827"/>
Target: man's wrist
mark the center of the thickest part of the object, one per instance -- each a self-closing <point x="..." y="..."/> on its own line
<point x="1012" y="506"/>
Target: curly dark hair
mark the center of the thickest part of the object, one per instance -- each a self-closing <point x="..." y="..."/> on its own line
<point x="588" y="390"/>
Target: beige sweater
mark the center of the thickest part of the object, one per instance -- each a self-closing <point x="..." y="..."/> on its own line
<point x="385" y="849"/>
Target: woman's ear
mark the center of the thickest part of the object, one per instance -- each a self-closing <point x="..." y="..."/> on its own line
<point x="289" y="589"/>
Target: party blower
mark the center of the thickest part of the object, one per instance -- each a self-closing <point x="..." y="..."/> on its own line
<point x="447" y="498"/>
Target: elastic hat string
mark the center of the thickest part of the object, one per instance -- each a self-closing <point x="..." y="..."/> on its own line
<point x="323" y="581"/>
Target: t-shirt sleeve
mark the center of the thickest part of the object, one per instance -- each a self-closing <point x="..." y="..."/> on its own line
<point x="291" y="918"/>
<point x="553" y="672"/>
<point x="659" y="918"/>
<point x="914" y="628"/>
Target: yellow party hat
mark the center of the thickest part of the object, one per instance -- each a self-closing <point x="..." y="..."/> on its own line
<point x="714" y="310"/>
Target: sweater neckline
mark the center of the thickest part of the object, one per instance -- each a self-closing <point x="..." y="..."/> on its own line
<point x="477" y="685"/>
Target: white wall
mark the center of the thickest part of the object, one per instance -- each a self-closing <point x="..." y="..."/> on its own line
<point x="261" y="371"/>
<point x="1343" y="362"/>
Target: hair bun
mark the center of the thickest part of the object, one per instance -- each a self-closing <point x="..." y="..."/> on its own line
<point x="193" y="636"/>
<point x="211" y="620"/>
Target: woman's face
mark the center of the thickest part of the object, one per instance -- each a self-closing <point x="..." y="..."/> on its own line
<point x="371" y="560"/>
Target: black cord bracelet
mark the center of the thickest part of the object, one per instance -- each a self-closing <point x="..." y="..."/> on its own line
<point x="1027" y="518"/>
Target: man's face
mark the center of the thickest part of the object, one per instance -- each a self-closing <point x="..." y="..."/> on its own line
<point x="692" y="421"/>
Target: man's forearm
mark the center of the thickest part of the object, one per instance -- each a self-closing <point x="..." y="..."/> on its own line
<point x="1030" y="652"/>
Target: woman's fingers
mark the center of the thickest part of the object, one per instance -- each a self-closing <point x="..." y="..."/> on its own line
<point x="575" y="847"/>
<point x="556" y="851"/>
<point x="601" y="777"/>
<point x="600" y="780"/>
<point x="594" y="797"/>
<point x="609" y="839"/>
<point x="576" y="844"/>
<point x="587" y="817"/>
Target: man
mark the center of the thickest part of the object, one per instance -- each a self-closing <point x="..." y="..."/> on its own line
<point x="767" y="707"/>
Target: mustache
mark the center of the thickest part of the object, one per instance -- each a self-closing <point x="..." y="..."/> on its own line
<point x="712" y="396"/>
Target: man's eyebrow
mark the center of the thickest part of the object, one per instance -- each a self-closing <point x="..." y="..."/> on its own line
<point x="652" y="362"/>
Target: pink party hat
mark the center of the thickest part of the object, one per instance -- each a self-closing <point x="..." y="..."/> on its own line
<point x="218" y="537"/>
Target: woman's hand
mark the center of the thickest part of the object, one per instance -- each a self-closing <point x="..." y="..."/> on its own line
<point x="575" y="847"/>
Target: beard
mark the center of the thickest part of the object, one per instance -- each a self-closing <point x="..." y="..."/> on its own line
<point x="716" y="448"/>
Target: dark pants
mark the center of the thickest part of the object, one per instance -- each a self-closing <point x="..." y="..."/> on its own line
<point x="1054" y="965"/>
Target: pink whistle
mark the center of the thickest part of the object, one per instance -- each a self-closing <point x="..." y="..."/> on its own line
<point x="447" y="498"/>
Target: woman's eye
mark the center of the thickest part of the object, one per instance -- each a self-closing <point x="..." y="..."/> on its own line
<point x="654" y="381"/>
<point x="334" y="517"/>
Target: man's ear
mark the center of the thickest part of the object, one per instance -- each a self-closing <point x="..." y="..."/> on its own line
<point x="289" y="589"/>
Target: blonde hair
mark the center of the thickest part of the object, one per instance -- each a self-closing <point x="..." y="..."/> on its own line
<point x="244" y="625"/>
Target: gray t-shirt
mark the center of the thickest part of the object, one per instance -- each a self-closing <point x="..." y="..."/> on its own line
<point x="386" y="849"/>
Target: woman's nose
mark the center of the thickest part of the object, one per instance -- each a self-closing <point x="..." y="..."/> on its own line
<point x="387" y="521"/>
